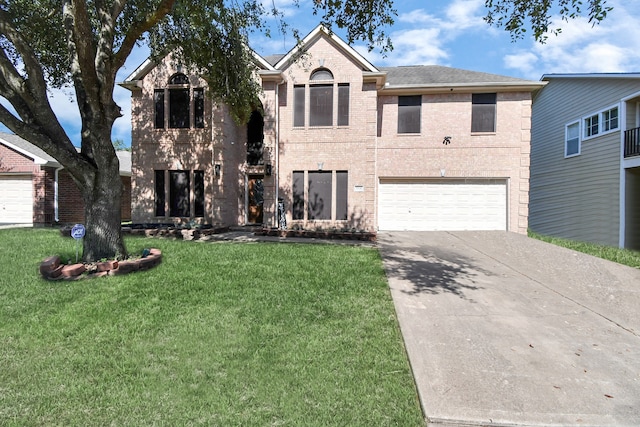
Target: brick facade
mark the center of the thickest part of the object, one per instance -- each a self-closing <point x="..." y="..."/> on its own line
<point x="70" y="203"/>
<point x="368" y="149"/>
<point x="503" y="154"/>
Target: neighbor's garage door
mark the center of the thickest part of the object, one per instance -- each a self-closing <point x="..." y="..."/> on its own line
<point x="16" y="199"/>
<point x="429" y="205"/>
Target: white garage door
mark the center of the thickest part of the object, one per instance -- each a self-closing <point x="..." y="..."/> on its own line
<point x="442" y="205"/>
<point x="16" y="199"/>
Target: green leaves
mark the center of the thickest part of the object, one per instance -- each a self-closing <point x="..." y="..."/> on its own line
<point x="365" y="20"/>
<point x="516" y="16"/>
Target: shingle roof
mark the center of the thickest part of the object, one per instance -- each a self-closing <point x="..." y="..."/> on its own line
<point x="273" y="59"/>
<point x="438" y="75"/>
<point x="37" y="154"/>
<point x="26" y="146"/>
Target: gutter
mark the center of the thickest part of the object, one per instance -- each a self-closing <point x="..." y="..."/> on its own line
<point x="391" y="89"/>
<point x="56" y="211"/>
<point x="277" y="165"/>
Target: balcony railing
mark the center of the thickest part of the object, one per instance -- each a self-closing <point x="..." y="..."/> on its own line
<point x="632" y="142"/>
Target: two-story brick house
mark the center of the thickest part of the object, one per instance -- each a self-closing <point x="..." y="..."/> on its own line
<point x="341" y="142"/>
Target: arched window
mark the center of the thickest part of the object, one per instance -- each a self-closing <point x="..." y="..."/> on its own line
<point x="321" y="74"/>
<point x="321" y="91"/>
<point x="321" y="99"/>
<point x="255" y="138"/>
<point x="179" y="96"/>
<point x="179" y="101"/>
<point x="179" y="79"/>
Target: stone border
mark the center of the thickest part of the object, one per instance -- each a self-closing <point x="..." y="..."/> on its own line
<point x="51" y="268"/>
<point x="174" y="232"/>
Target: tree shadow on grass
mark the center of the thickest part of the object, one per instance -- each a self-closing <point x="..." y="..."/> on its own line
<point x="431" y="270"/>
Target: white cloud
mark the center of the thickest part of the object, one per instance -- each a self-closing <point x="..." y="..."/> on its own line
<point x="420" y="46"/>
<point x="427" y="38"/>
<point x="581" y="47"/>
<point x="418" y="16"/>
<point x="524" y="62"/>
<point x="464" y="14"/>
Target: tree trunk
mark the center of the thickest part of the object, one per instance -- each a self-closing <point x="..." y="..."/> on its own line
<point x="103" y="238"/>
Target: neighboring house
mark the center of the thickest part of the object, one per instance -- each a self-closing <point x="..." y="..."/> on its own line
<point x="35" y="189"/>
<point x="343" y="143"/>
<point x="585" y="158"/>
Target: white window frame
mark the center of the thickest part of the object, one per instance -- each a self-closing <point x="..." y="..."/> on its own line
<point x="588" y="126"/>
<point x="599" y="129"/>
<point x="603" y="121"/>
<point x="566" y="138"/>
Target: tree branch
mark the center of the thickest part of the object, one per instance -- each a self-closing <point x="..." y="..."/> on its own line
<point x="36" y="81"/>
<point x="137" y="30"/>
<point x="28" y="95"/>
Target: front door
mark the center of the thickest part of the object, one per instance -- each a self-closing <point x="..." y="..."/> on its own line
<point x="255" y="191"/>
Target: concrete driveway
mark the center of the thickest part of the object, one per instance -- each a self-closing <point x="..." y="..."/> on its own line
<point x="505" y="330"/>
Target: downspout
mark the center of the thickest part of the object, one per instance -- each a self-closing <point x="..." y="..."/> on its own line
<point x="277" y="165"/>
<point x="56" y="214"/>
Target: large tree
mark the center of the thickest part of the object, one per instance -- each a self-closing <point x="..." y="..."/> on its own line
<point x="82" y="44"/>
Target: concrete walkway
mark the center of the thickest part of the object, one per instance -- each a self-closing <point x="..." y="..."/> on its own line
<point x="505" y="330"/>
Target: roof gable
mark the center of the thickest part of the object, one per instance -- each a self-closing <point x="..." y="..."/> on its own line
<point x="27" y="149"/>
<point x="41" y="158"/>
<point x="131" y="81"/>
<point x="322" y="32"/>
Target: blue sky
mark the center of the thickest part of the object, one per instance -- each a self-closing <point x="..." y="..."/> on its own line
<point x="450" y="33"/>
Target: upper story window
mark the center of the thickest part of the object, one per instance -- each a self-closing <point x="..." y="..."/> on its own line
<point x="602" y="122"/>
<point x="610" y="119"/>
<point x="591" y="127"/>
<point x="322" y="74"/>
<point x="328" y="102"/>
<point x="483" y="112"/>
<point x="409" y="113"/>
<point x="178" y="106"/>
<point x="572" y="139"/>
<point x="321" y="105"/>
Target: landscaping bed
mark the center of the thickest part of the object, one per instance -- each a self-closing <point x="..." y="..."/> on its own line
<point x="320" y="234"/>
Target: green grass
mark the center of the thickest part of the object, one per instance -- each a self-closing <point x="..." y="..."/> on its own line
<point x="252" y="334"/>
<point x="621" y="256"/>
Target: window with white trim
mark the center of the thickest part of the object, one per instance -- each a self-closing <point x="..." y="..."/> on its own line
<point x="591" y="127"/>
<point x="572" y="139"/>
<point x="610" y="119"/>
<point x="602" y="122"/>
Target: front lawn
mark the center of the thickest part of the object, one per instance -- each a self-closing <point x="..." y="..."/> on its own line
<point x="621" y="256"/>
<point x="220" y="334"/>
